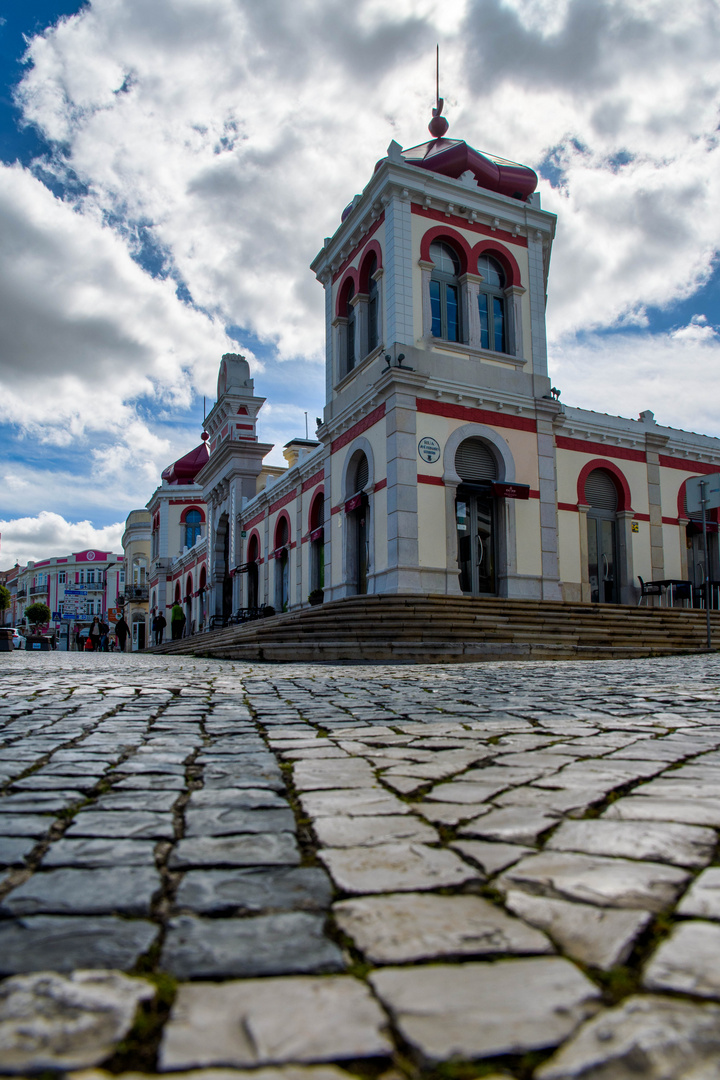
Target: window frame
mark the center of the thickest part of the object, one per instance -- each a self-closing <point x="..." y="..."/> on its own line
<point x="444" y="283"/>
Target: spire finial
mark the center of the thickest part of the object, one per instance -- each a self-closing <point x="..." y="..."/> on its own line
<point x="438" y="125"/>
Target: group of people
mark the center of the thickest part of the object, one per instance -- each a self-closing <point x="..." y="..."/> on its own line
<point x="177" y="624"/>
<point x="99" y="638"/>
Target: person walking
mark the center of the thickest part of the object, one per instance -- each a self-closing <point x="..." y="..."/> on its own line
<point x="122" y="630"/>
<point x="158" y="626"/>
<point x="104" y="632"/>
<point x="177" y="621"/>
<point x="95" y="634"/>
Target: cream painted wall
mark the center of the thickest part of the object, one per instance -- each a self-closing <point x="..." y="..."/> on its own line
<point x="569" y="525"/>
<point x="571" y="462"/>
<point x="431" y="525"/>
<point x="527" y="536"/>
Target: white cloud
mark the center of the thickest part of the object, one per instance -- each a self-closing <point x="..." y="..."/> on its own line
<point x="673" y="374"/>
<point x="231" y="134"/>
<point x="48" y="534"/>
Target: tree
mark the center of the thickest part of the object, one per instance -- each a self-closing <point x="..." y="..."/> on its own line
<point x="4" y="599"/>
<point x="37" y="614"/>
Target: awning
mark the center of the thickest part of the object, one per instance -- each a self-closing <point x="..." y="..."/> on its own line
<point x="318" y="534"/>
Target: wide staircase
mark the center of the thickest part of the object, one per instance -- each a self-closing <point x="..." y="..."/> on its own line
<point x="431" y="629"/>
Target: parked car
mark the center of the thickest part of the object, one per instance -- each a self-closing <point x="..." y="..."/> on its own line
<point x="18" y="639"/>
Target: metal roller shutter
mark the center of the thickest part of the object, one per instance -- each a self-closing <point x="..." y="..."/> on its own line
<point x="600" y="491"/>
<point x="474" y="463"/>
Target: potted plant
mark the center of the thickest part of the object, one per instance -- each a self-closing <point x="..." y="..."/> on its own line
<point x="37" y="615"/>
<point x="316" y="597"/>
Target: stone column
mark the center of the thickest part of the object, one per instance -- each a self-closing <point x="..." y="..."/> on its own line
<point x="583" y="538"/>
<point x="452" y="569"/>
<point x="427" y="269"/>
<point x="547" y="485"/>
<point x="626" y="579"/>
<point x="514" y="296"/>
<point x="653" y="444"/>
<point x="402" y="573"/>
<point x="469" y="288"/>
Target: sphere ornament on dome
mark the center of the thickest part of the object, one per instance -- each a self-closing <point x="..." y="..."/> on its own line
<point x="204" y="436"/>
<point x="438" y="125"/>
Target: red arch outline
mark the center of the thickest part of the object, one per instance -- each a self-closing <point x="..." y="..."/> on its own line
<point x="350" y="274"/>
<point x="457" y="242"/>
<point x="504" y="257"/>
<point x="254" y="535"/>
<point x="318" y="491"/>
<point x="621" y="485"/>
<point x="187" y="510"/>
<point x="188" y="585"/>
<point x="371" y="248"/>
<point x="283" y="514"/>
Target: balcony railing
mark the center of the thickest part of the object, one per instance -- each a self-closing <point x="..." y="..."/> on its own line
<point x="21" y="594"/>
<point x="38" y="590"/>
<point x="137" y="592"/>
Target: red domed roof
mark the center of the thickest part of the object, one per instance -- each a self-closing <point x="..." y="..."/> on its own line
<point x="453" y="157"/>
<point x="185" y="469"/>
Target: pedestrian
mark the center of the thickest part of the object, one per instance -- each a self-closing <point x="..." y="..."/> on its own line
<point x="78" y="639"/>
<point x="121" y="633"/>
<point x="158" y="626"/>
<point x="95" y="635"/>
<point x="104" y="631"/>
<point x="177" y="621"/>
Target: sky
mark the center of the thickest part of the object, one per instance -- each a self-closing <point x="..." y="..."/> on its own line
<point x="168" y="171"/>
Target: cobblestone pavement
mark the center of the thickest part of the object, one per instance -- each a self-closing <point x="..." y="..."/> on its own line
<point x="314" y="871"/>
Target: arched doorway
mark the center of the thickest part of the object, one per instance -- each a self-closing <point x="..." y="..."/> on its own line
<point x="697" y="571"/>
<point x="252" y="572"/>
<point x="317" y="543"/>
<point x="475" y="516"/>
<point x="282" y="560"/>
<point x="357" y="512"/>
<point x="601" y="496"/>
<point x="221" y="577"/>
<point x="138" y="631"/>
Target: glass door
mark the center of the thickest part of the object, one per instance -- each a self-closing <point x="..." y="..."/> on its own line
<point x="475" y="514"/>
<point x="602" y="561"/>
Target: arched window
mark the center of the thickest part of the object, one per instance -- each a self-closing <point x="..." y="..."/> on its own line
<point x="491" y="304"/>
<point x="601" y="495"/>
<point x="444" y="292"/>
<point x="350" y="338"/>
<point x="193" y="519"/>
<point x="360" y="473"/>
<point x="372" y="306"/>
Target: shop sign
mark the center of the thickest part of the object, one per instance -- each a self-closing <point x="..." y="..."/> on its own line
<point x="352" y="504"/>
<point x="512" y="491"/>
<point x="317" y="534"/>
<point x="429" y="449"/>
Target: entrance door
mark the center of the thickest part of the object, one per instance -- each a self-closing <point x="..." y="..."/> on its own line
<point x="602" y="498"/>
<point x="475" y="513"/>
<point x="602" y="559"/>
<point x="362" y="544"/>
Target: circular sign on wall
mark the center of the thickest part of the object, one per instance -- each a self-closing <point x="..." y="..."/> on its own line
<point x="90" y="556"/>
<point x="429" y="449"/>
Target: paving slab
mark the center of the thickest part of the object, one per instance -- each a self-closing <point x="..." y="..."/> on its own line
<point x="243" y="798"/>
<point x="30" y="825"/>
<point x="235" y="820"/>
<point x="216" y="892"/>
<point x="353" y="802"/>
<point x="689" y="811"/>
<point x="395" y="868"/>
<point x="256" y="1021"/>
<point x="493" y="857"/>
<point x="415" y="926"/>
<point x="513" y="825"/>
<point x="64" y="943"/>
<point x="600" y="937"/>
<point x="54" y="1022"/>
<point x="463" y="791"/>
<point x="125" y="890"/>
<point x="653" y="1038"/>
<point x="88" y="854"/>
<point x="687" y="962"/>
<point x="122" y="824"/>
<point x="280" y="944"/>
<point x="14" y="849"/>
<point x="477" y="1010"/>
<point x="342" y="831"/>
<point x="254" y="849"/>
<point x="596" y="880"/>
<point x="703" y="897"/>
<point x="682" y="845"/>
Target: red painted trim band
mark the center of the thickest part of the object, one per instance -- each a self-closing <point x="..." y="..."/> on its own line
<point x="358" y="247"/>
<point x="313" y="480"/>
<point x="426" y="478"/>
<point x="380" y="485"/>
<point x="582" y="447"/>
<point x="282" y="502"/>
<point x="477" y="416"/>
<point x="688" y="466"/>
<point x="471" y="226"/>
<point x="357" y="429"/>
